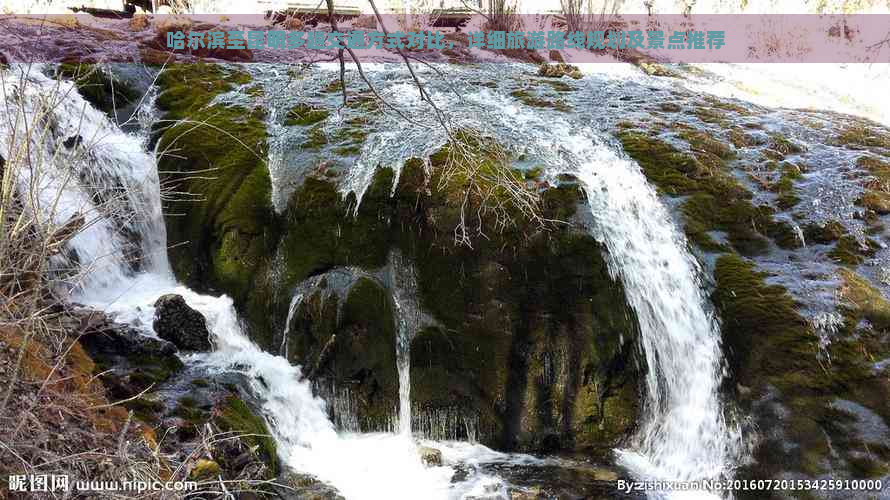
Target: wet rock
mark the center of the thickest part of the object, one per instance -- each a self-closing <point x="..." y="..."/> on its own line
<point x="430" y="457"/>
<point x="102" y="337"/>
<point x="559" y="70"/>
<point x="655" y="69"/>
<point x="73" y="141"/>
<point x="177" y="322"/>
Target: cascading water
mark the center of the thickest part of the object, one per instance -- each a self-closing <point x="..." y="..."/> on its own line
<point x="404" y="286"/>
<point x="684" y="435"/>
<point x="369" y="466"/>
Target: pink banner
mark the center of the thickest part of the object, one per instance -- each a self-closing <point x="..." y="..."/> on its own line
<point x="450" y="37"/>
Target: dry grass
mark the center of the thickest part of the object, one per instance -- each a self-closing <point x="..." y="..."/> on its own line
<point x="55" y="417"/>
<point x="491" y="194"/>
<point x="589" y="15"/>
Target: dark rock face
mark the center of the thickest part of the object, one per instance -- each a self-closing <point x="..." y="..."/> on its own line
<point x="533" y="346"/>
<point x="176" y="322"/>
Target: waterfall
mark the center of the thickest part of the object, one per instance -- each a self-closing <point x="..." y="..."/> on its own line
<point x="684" y="435"/>
<point x="295" y="302"/>
<point x="404" y="289"/>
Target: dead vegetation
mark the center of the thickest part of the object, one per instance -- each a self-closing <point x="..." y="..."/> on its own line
<point x="56" y="418"/>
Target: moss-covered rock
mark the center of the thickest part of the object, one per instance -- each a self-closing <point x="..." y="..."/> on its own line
<point x="510" y="306"/>
<point x="864" y="301"/>
<point x="513" y="298"/>
<point x="221" y="226"/>
<point x="862" y="134"/>
<point x="99" y="87"/>
<point x="559" y="70"/>
<point x="233" y="415"/>
<point x="529" y="98"/>
<point x="718" y="202"/>
<point x="304" y="114"/>
<point x="792" y="387"/>
<point x="851" y="251"/>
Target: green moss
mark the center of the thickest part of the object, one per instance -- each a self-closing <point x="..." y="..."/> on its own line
<point x="754" y="312"/>
<point x="737" y="217"/>
<point x="206" y="470"/>
<point x="728" y="106"/>
<point x="235" y="416"/>
<point x="221" y="226"/>
<point x="879" y="169"/>
<point x="315" y="138"/>
<point x="741" y="139"/>
<point x="558" y="85"/>
<point x="530" y="99"/>
<point x="771" y="348"/>
<point x="362" y="355"/>
<point x="864" y="301"/>
<point x="145" y="409"/>
<point x="625" y="124"/>
<point x="877" y="201"/>
<point x="848" y="250"/>
<point x="322" y="233"/>
<point x="192" y="415"/>
<point x="783" y="147"/>
<point x="826" y="233"/>
<point x="99" y="87"/>
<point x="784" y="187"/>
<point x="702" y="142"/>
<point x="153" y="370"/>
<point x="863" y="135"/>
<point x="671" y="170"/>
<point x="334" y="86"/>
<point x="304" y="115"/>
<point x="709" y="115"/>
<point x="718" y="202"/>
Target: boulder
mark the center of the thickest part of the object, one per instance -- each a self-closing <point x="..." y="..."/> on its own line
<point x="559" y="70"/>
<point x="177" y="322"/>
<point x="430" y="457"/>
<point x="102" y="337"/>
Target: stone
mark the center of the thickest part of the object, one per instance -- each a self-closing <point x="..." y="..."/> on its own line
<point x="430" y="457"/>
<point x="176" y="322"/>
<point x="103" y="337"/>
<point x="655" y="69"/>
<point x="559" y="70"/>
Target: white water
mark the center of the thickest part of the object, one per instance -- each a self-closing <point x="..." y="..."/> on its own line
<point x="404" y="285"/>
<point x="361" y="466"/>
<point x="684" y="436"/>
